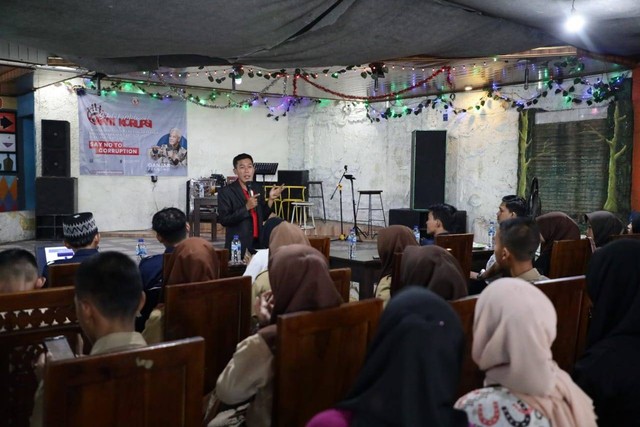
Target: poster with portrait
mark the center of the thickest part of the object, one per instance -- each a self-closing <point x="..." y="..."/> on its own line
<point x="133" y="135"/>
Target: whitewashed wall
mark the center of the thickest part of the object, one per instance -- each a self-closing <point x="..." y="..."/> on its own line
<point x="215" y="137"/>
<point x="481" y="154"/>
<point x="482" y="151"/>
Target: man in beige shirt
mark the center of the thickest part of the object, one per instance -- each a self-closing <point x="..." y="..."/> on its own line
<point x="516" y="242"/>
<point x="108" y="297"/>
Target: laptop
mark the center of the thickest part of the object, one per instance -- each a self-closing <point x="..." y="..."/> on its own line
<point x="46" y="255"/>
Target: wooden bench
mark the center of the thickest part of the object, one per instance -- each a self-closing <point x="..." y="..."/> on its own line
<point x="342" y="279"/>
<point x="158" y="385"/>
<point x="217" y="310"/>
<point x="569" y="258"/>
<point x="26" y="319"/>
<point x="471" y="377"/>
<point x="460" y="246"/>
<point x="62" y="274"/>
<point x="324" y="353"/>
<point x="323" y="244"/>
<point x="571" y="301"/>
<point x="635" y="236"/>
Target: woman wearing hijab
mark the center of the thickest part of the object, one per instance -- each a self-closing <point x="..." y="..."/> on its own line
<point x="602" y="225"/>
<point x="609" y="371"/>
<point x="434" y="268"/>
<point x="300" y="281"/>
<point x="260" y="260"/>
<point x="411" y="372"/>
<point x="283" y="234"/>
<point x="193" y="260"/>
<point x="553" y="226"/>
<point x="513" y="328"/>
<point x="391" y="240"/>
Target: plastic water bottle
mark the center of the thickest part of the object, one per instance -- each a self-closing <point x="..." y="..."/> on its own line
<point x="492" y="235"/>
<point x="236" y="250"/>
<point x="141" y="248"/>
<point x="352" y="239"/>
<point x="416" y="232"/>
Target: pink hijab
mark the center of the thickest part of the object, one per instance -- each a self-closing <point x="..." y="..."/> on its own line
<point x="513" y="329"/>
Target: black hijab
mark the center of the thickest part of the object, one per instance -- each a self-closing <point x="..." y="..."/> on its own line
<point x="604" y="224"/>
<point x="411" y="372"/>
<point x="268" y="227"/>
<point x="613" y="283"/>
<point x="609" y="371"/>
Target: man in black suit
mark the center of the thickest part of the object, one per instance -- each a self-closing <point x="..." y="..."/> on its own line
<point x="241" y="206"/>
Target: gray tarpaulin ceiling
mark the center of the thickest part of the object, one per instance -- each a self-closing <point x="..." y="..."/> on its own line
<point x="118" y="36"/>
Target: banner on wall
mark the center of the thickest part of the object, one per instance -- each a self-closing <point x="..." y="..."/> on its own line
<point x="132" y="135"/>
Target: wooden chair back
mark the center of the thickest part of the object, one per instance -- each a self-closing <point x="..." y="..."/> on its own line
<point x="569" y="258"/>
<point x="321" y="243"/>
<point x="62" y="274"/>
<point x="571" y="301"/>
<point x="396" y="274"/>
<point x="324" y="351"/>
<point x="26" y="319"/>
<point x="471" y="377"/>
<point x="223" y="262"/>
<point x="460" y="246"/>
<point x="150" y="386"/>
<point x="569" y="297"/>
<point x="342" y="279"/>
<point x="217" y="310"/>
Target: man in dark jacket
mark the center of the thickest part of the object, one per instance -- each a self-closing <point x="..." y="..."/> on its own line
<point x="242" y="208"/>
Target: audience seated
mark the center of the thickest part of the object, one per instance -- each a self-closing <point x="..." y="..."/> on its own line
<point x="260" y="260"/>
<point x="193" y="260"/>
<point x="514" y="327"/>
<point x="608" y="371"/>
<point x="108" y="297"/>
<point x="171" y="227"/>
<point x="440" y="220"/>
<point x="634" y="223"/>
<point x="19" y="271"/>
<point x="512" y="206"/>
<point x="553" y="226"/>
<point x="80" y="233"/>
<point x="300" y="281"/>
<point x="434" y="268"/>
<point x="283" y="234"/>
<point x="412" y="368"/>
<point x="392" y="239"/>
<point x="516" y="242"/>
<point x="601" y="226"/>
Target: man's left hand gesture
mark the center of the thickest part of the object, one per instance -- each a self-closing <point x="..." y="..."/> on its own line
<point x="275" y="192"/>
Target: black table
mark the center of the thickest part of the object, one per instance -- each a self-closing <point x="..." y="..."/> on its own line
<point x="364" y="268"/>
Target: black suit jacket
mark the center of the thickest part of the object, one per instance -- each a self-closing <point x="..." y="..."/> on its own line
<point x="234" y="216"/>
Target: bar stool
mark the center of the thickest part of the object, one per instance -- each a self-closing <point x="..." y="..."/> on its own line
<point x="370" y="209"/>
<point x="315" y="196"/>
<point x="301" y="211"/>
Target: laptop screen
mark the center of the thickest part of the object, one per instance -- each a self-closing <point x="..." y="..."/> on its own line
<point x="46" y="255"/>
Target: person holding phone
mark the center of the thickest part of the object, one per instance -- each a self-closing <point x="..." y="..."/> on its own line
<point x="242" y="208"/>
<point x="108" y="296"/>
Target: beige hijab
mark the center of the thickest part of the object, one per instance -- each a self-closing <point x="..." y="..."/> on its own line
<point x="513" y="329"/>
<point x="434" y="268"/>
<point x="286" y="234"/>
<point x="193" y="260"/>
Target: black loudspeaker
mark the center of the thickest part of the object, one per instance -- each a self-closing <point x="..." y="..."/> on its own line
<point x="293" y="177"/>
<point x="56" y="196"/>
<point x="56" y="147"/>
<point x="408" y="217"/>
<point x="428" y="159"/>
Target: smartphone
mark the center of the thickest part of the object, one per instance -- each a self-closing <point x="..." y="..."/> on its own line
<point x="59" y="348"/>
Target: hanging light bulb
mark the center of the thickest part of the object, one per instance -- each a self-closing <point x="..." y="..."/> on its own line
<point x="575" y="22"/>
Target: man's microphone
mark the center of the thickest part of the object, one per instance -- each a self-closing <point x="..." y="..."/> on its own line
<point x="249" y="189"/>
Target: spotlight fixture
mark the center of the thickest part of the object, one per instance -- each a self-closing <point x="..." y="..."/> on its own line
<point x="575" y="22"/>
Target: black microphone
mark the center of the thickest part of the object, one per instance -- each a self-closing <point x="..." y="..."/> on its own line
<point x="345" y="167"/>
<point x="249" y="189"/>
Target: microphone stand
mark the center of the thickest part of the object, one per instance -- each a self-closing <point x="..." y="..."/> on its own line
<point x="339" y="188"/>
<point x="357" y="229"/>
